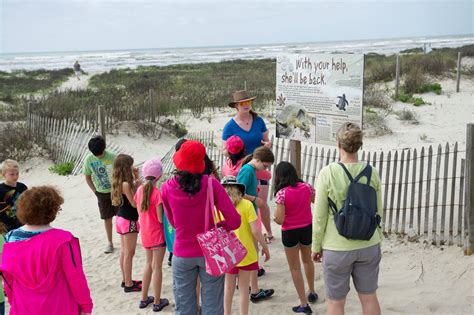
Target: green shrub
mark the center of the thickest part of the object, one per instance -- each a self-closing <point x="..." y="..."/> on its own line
<point x="436" y="88"/>
<point x="415" y="82"/>
<point x="63" y="169"/>
<point x="21" y="82"/>
<point x="16" y="142"/>
<point x="374" y="120"/>
<point x="405" y="98"/>
<point x="416" y="50"/>
<point x="417" y="101"/>
<point x="376" y="98"/>
<point x="406" y="115"/>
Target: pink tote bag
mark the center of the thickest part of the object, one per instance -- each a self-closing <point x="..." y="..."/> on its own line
<point x="222" y="249"/>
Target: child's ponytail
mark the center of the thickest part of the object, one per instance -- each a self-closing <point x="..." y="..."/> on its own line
<point x="247" y="159"/>
<point x="147" y="189"/>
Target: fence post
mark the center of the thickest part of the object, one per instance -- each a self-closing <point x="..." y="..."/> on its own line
<point x="458" y="74"/>
<point x="152" y="113"/>
<point x="101" y="120"/>
<point x="28" y="118"/>
<point x="397" y="76"/>
<point x="295" y="155"/>
<point x="469" y="188"/>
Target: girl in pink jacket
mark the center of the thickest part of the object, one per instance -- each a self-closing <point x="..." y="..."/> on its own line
<point x="42" y="265"/>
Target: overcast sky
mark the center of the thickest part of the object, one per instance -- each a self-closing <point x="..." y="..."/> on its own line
<point x="77" y="25"/>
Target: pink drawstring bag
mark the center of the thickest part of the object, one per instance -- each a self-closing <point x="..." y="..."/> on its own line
<point x="222" y="249"/>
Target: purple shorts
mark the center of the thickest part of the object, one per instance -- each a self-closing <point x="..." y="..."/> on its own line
<point x="124" y="226"/>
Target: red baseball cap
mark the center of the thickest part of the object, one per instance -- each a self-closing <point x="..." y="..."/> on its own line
<point x="234" y="145"/>
<point x="190" y="157"/>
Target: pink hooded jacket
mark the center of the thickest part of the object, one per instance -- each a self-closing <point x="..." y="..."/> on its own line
<point x="43" y="275"/>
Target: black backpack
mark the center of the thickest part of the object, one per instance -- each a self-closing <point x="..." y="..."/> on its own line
<point x="358" y="218"/>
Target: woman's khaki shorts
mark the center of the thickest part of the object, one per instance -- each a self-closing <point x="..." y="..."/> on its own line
<point x="362" y="264"/>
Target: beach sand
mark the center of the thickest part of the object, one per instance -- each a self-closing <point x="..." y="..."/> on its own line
<point x="415" y="278"/>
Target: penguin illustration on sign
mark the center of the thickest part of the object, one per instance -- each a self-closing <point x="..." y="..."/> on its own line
<point x="342" y="102"/>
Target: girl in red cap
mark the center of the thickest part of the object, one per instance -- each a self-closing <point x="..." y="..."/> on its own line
<point x="184" y="200"/>
<point x="236" y="150"/>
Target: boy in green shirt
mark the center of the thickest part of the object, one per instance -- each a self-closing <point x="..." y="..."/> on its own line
<point x="98" y="172"/>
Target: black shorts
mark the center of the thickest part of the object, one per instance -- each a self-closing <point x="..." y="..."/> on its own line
<point x="303" y="236"/>
<point x="106" y="209"/>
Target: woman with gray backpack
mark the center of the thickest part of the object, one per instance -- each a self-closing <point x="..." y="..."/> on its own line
<point x="346" y="225"/>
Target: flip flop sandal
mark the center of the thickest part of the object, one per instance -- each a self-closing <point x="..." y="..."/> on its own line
<point x="139" y="282"/>
<point x="147" y="302"/>
<point x="260" y="272"/>
<point x="162" y="305"/>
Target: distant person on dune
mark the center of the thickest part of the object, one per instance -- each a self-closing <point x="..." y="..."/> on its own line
<point x="77" y="69"/>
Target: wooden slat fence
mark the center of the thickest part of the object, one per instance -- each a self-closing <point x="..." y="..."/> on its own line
<point x="423" y="188"/>
<point x="65" y="140"/>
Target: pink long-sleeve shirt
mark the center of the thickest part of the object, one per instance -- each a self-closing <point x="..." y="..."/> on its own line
<point x="186" y="213"/>
<point x="44" y="275"/>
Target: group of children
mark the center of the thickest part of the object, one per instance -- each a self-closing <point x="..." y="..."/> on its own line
<point x="137" y="204"/>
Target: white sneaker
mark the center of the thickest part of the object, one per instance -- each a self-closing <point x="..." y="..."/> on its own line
<point x="109" y="249"/>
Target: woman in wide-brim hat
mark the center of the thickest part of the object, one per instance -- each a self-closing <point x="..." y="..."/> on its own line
<point x="184" y="200"/>
<point x="246" y="124"/>
<point x="251" y="128"/>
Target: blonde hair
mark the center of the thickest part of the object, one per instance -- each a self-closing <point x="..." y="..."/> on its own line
<point x="122" y="172"/>
<point x="9" y="164"/>
<point x="349" y="137"/>
<point x="147" y="189"/>
<point x="234" y="194"/>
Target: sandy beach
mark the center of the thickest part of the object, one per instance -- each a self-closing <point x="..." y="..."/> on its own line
<point x="415" y="278"/>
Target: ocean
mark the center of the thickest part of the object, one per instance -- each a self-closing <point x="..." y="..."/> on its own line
<point x="100" y="61"/>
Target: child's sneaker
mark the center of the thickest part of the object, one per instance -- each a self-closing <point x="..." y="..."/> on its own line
<point x="312" y="297"/>
<point x="109" y="249"/>
<point x="303" y="309"/>
<point x="261" y="295"/>
<point x="135" y="287"/>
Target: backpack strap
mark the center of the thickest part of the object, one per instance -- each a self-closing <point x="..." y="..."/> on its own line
<point x="346" y="171"/>
<point x="333" y="206"/>
<point x="366" y="172"/>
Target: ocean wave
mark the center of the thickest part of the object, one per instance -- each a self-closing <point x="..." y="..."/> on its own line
<point x="106" y="60"/>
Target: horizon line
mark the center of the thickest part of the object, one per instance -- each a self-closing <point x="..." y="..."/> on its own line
<point x="237" y="45"/>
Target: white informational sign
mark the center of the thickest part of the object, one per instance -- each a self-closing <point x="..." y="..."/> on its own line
<point x="316" y="94"/>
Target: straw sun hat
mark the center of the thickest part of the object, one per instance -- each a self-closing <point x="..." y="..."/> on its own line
<point x="240" y="96"/>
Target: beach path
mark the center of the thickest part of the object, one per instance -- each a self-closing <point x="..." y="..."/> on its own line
<point x="74" y="84"/>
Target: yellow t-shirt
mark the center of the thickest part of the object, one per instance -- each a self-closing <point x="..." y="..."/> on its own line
<point x="244" y="233"/>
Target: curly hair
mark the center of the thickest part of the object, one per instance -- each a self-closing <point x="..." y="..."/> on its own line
<point x="38" y="205"/>
<point x="122" y="172"/>
<point x="234" y="194"/>
<point x="349" y="137"/>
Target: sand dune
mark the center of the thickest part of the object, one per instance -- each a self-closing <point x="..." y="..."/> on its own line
<point x="415" y="278"/>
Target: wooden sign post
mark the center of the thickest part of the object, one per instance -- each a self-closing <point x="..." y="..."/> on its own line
<point x="295" y="155"/>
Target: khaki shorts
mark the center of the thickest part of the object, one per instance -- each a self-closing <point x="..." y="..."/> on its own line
<point x="106" y="209"/>
<point x="362" y="264"/>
